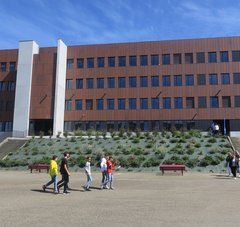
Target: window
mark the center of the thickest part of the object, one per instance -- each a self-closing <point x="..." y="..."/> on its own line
<point x="224" y="56"/>
<point x="236" y="78"/>
<point x="237" y="101"/>
<point x="225" y="78"/>
<point x="2" y="106"/>
<point x="189" y="80"/>
<point x="154" y="59"/>
<point x="89" y="104"/>
<point x="226" y="101"/>
<point x="143" y="60"/>
<point x="167" y="103"/>
<point x="178" y="103"/>
<point x="236" y="55"/>
<point x="202" y="102"/>
<point x="155" y="81"/>
<point x="78" y="104"/>
<point x="200" y="57"/>
<point x="111" y="61"/>
<point x="90" y="62"/>
<point x="12" y="66"/>
<point x="99" y="104"/>
<point x="110" y="104"/>
<point x="68" y="104"/>
<point x="100" y="82"/>
<point x="3" y="66"/>
<point x="132" y="81"/>
<point x="89" y="83"/>
<point x="3" y="86"/>
<point x="9" y="106"/>
<point x="80" y="63"/>
<point x="189" y="58"/>
<point x="201" y="79"/>
<point x="190" y="102"/>
<point x="121" y="104"/>
<point x="70" y="63"/>
<point x="79" y="83"/>
<point x="11" y="86"/>
<point x="177" y="59"/>
<point x="155" y="103"/>
<point x="8" y="126"/>
<point x="212" y="57"/>
<point x="69" y="84"/>
<point x="132" y="104"/>
<point x="121" y="82"/>
<point x="166" y="81"/>
<point x="177" y="80"/>
<point x="213" y="79"/>
<point x="144" y="103"/>
<point x="166" y="59"/>
<point x="214" y="102"/>
<point x="100" y="62"/>
<point x="111" y="82"/>
<point x="133" y="60"/>
<point x="143" y="81"/>
<point x="121" y="61"/>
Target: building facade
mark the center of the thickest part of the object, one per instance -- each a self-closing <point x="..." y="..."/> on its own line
<point x="147" y="85"/>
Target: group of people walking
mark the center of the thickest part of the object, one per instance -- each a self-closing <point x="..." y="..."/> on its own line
<point x="233" y="163"/>
<point x="107" y="167"/>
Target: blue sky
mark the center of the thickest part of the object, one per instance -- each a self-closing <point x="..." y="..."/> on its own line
<point x="110" y="21"/>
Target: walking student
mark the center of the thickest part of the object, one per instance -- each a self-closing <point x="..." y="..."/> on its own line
<point x="110" y="168"/>
<point x="103" y="167"/>
<point x="87" y="169"/>
<point x="64" y="170"/>
<point x="234" y="165"/>
<point x="53" y="173"/>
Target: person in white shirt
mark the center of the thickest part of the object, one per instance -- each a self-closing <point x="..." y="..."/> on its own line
<point x="87" y="169"/>
<point x="103" y="167"/>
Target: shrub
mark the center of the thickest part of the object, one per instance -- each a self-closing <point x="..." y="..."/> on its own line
<point x="182" y="140"/>
<point x="173" y="140"/>
<point x="134" y="162"/>
<point x="149" y="145"/>
<point x="73" y="139"/>
<point x="65" y="134"/>
<point x="123" y="162"/>
<point x="41" y="134"/>
<point x="162" y="141"/>
<point x="190" y="151"/>
<point x="208" y="145"/>
<point x="50" y="144"/>
<point x="78" y="132"/>
<point x="227" y="145"/>
<point x="12" y="163"/>
<point x="212" y="140"/>
<point x="59" y="134"/>
<point x="209" y="160"/>
<point x="176" y="134"/>
<point x="174" y="160"/>
<point x="192" y="163"/>
<point x="195" y="133"/>
<point x="136" y="140"/>
<point x="151" y="162"/>
<point x="138" y="151"/>
<point x="88" y="151"/>
<point x="197" y="145"/>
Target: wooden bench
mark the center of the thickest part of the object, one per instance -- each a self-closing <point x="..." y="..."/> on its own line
<point x="172" y="167"/>
<point x="38" y="167"/>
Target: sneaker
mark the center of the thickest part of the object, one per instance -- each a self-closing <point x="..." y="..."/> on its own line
<point x="101" y="187"/>
<point x="44" y="188"/>
<point x="65" y="193"/>
<point x="58" y="189"/>
<point x="235" y="178"/>
<point x="87" y="189"/>
<point x="106" y="187"/>
<point x="56" y="192"/>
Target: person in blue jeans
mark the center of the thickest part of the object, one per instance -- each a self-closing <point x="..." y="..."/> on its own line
<point x="87" y="169"/>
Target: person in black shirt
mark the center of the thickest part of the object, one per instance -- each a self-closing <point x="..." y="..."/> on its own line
<point x="65" y="173"/>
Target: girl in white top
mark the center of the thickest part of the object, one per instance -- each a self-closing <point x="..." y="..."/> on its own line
<point x="87" y="169"/>
<point x="103" y="167"/>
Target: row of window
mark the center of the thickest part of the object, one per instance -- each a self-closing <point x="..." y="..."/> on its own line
<point x="167" y="80"/>
<point x="6" y="126"/>
<point x="154" y="59"/>
<point x="3" y="66"/>
<point x="6" y="106"/>
<point x="7" y="85"/>
<point x="155" y="103"/>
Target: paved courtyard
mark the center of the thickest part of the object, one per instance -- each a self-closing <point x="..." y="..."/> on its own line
<point x="140" y="199"/>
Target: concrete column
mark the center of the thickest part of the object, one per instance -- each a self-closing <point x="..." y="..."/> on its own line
<point x="23" y="87"/>
<point x="59" y="101"/>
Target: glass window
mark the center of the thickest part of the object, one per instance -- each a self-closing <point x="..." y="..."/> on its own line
<point x="133" y="60"/>
<point x="143" y="81"/>
<point x="236" y="55"/>
<point x="99" y="104"/>
<point x="154" y="59"/>
<point x="110" y="104"/>
<point x="225" y="78"/>
<point x="111" y="82"/>
<point x="68" y="104"/>
<point x="167" y="103"/>
<point x="200" y="57"/>
<point x="78" y="104"/>
<point x="189" y="58"/>
<point x="11" y="86"/>
<point x="202" y="102"/>
<point x="8" y="126"/>
<point x="201" y="79"/>
<point x="69" y="84"/>
<point x="89" y="104"/>
<point x="100" y="62"/>
<point x="237" y="101"/>
<point x="121" y="104"/>
<point x="226" y="101"/>
<point x="166" y="59"/>
<point x="132" y="81"/>
<point x="9" y="106"/>
<point x="189" y="80"/>
<point x="190" y="102"/>
<point x="2" y="86"/>
<point x="111" y="61"/>
<point x="12" y="66"/>
<point x="214" y="102"/>
<point x="70" y="63"/>
<point x="166" y="81"/>
<point x="212" y="57"/>
<point x="213" y="79"/>
<point x="132" y="104"/>
<point x="121" y="82"/>
<point x="178" y="80"/>
<point x="122" y="61"/>
<point x="2" y="106"/>
<point x="3" y="66"/>
<point x="100" y="82"/>
<point x="178" y="103"/>
<point x="89" y="83"/>
<point x="236" y="78"/>
<point x="143" y="60"/>
<point x="155" y="81"/>
<point x="155" y="103"/>
<point x="90" y="62"/>
<point x="177" y="59"/>
<point x="144" y="103"/>
<point x="224" y="56"/>
<point x="80" y="63"/>
<point x="79" y="83"/>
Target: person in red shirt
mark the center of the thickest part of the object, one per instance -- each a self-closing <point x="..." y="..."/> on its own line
<point x="110" y="168"/>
